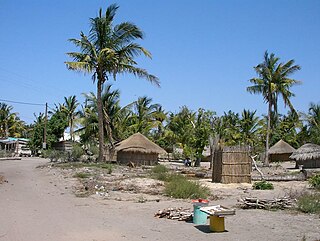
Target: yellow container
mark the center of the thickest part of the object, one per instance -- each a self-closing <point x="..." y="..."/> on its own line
<point x="216" y="223"/>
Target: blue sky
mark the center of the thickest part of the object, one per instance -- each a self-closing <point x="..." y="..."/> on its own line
<point x="203" y="51"/>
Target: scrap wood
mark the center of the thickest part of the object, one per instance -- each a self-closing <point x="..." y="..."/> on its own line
<point x="277" y="203"/>
<point x="180" y="214"/>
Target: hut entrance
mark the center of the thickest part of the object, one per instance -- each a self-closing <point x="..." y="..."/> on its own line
<point x="232" y="165"/>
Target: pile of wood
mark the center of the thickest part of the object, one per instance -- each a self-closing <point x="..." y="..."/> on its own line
<point x="180" y="214"/>
<point x="269" y="204"/>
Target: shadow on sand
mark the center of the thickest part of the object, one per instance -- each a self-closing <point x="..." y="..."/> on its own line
<point x="206" y="229"/>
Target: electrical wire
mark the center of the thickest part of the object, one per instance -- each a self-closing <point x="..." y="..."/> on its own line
<point x="23" y="103"/>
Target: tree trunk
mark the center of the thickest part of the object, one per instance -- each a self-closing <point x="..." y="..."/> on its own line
<point x="100" y="121"/>
<point x="266" y="160"/>
<point x="71" y="129"/>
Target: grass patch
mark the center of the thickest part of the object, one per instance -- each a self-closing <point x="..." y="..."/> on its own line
<point x="309" y="203"/>
<point x="263" y="185"/>
<point x="82" y="175"/>
<point x="98" y="165"/>
<point x="178" y="186"/>
<point x="314" y="181"/>
<point x="160" y="172"/>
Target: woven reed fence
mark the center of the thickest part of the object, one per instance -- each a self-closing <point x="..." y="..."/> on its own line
<point x="232" y="165"/>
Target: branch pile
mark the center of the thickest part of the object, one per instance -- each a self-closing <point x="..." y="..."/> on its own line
<point x="268" y="204"/>
<point x="180" y="214"/>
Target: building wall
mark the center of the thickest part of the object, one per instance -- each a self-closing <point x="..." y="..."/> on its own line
<point x="137" y="158"/>
<point x="315" y="163"/>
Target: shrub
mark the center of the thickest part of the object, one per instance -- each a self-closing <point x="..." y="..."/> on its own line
<point x="81" y="175"/>
<point x="4" y="153"/>
<point x="179" y="186"/>
<point x="76" y="152"/>
<point x="107" y="166"/>
<point x="159" y="172"/>
<point x="309" y="203"/>
<point x="314" y="181"/>
<point x="262" y="185"/>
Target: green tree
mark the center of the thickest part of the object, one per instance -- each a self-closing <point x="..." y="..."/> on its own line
<point x="107" y="51"/>
<point x="249" y="125"/>
<point x="181" y="128"/>
<point x="314" y="123"/>
<point x="273" y="80"/>
<point x="69" y="107"/>
<point x="10" y="123"/>
<point x="143" y="115"/>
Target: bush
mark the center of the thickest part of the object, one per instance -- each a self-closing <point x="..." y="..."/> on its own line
<point x="4" y="153"/>
<point x="314" y="181"/>
<point x="262" y="185"/>
<point x="159" y="172"/>
<point x="179" y="186"/>
<point x="107" y="166"/>
<point x="81" y="175"/>
<point x="76" y="152"/>
<point x="56" y="156"/>
<point x="309" y="203"/>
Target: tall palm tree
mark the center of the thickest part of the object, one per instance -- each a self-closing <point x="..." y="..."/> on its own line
<point x="6" y="117"/>
<point x="273" y="81"/>
<point x="144" y="112"/>
<point x="248" y="126"/>
<point x="314" y="123"/>
<point x="107" y="51"/>
<point x="70" y="109"/>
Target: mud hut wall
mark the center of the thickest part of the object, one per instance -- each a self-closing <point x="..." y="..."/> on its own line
<point x="313" y="163"/>
<point x="232" y="165"/>
<point x="137" y="158"/>
<point x="280" y="157"/>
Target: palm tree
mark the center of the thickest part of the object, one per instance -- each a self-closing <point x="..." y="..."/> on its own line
<point x="70" y="109"/>
<point x="144" y="113"/>
<point x="314" y="123"/>
<point x="248" y="126"/>
<point x="273" y="81"/>
<point x="6" y="119"/>
<point x="107" y="51"/>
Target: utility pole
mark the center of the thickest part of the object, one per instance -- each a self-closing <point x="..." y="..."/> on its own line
<point x="44" y="144"/>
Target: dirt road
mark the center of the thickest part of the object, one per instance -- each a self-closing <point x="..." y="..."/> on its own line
<point x="37" y="205"/>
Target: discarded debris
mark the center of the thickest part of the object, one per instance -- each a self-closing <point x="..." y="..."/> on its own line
<point x="2" y="180"/>
<point x="180" y="214"/>
<point x="268" y="204"/>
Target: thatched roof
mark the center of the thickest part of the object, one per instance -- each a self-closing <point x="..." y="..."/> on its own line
<point x="139" y="143"/>
<point x="306" y="152"/>
<point x="281" y="147"/>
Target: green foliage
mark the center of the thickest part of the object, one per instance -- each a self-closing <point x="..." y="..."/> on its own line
<point x="77" y="152"/>
<point x="179" y="186"/>
<point x="82" y="175"/>
<point x="314" y="181"/>
<point x="56" y="156"/>
<point x="263" y="185"/>
<point x="159" y="172"/>
<point x="4" y="153"/>
<point x="309" y="203"/>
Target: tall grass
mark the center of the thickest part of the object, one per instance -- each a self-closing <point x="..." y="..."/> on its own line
<point x="160" y="172"/>
<point x="314" y="181"/>
<point x="309" y="203"/>
<point x="178" y="186"/>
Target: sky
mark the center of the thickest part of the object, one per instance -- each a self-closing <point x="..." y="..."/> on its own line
<point x="203" y="51"/>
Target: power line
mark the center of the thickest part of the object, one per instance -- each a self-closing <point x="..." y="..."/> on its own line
<point x="23" y="103"/>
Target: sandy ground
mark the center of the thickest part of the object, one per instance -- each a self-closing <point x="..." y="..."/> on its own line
<point x="39" y="204"/>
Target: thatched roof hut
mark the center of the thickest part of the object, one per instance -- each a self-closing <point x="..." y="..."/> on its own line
<point x="139" y="150"/>
<point x="307" y="155"/>
<point x="280" y="151"/>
